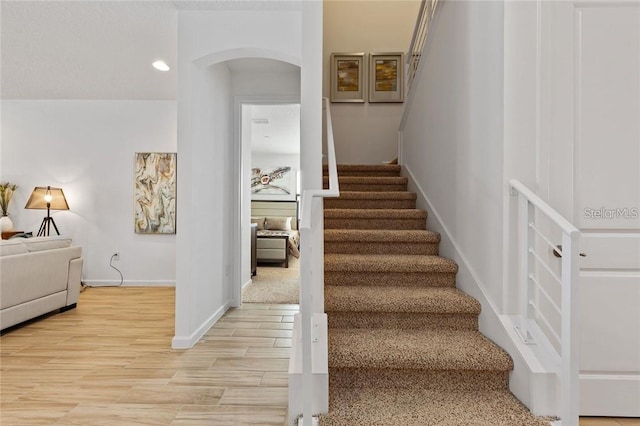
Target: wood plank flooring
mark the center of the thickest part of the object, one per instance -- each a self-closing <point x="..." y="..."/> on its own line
<point x="110" y="362"/>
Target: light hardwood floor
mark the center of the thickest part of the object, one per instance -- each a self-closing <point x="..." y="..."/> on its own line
<point x="109" y="362"/>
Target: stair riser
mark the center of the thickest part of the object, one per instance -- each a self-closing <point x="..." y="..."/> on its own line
<point x="359" y="247"/>
<point x="365" y="174"/>
<point x="402" y="321"/>
<point x="343" y="203"/>
<point x="454" y="380"/>
<point x="375" y="224"/>
<point x="381" y="173"/>
<point x="407" y="279"/>
<point x="369" y="187"/>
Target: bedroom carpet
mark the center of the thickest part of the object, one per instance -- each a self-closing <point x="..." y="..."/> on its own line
<point x="404" y="345"/>
<point x="275" y="284"/>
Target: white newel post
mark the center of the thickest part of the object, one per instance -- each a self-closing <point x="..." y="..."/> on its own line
<point x="570" y="302"/>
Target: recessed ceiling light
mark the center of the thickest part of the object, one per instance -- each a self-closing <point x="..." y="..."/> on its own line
<point x="161" y="66"/>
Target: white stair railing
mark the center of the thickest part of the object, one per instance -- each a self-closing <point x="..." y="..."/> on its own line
<point x="548" y="306"/>
<point x="420" y="31"/>
<point x="312" y="250"/>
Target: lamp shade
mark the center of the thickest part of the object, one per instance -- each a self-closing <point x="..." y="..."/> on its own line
<point x="38" y="199"/>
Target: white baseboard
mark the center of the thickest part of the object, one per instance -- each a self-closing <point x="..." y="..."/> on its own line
<point x="130" y="283"/>
<point x="247" y="283"/>
<point x="609" y="395"/>
<point x="186" y="342"/>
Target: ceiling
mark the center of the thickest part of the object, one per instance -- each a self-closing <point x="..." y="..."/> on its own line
<point x="87" y="49"/>
<point x="94" y="49"/>
<point x="280" y="134"/>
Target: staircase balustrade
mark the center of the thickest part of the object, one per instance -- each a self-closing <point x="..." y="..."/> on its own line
<point x="420" y="31"/>
<point x="312" y="250"/>
<point x="548" y="314"/>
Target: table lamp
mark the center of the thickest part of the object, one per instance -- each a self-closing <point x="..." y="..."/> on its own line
<point x="47" y="198"/>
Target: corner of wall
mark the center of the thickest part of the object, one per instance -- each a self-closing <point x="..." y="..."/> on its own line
<point x="187" y="342"/>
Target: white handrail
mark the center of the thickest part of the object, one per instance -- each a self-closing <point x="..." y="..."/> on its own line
<point x="420" y="32"/>
<point x="306" y="274"/>
<point x="528" y="204"/>
<point x="545" y="208"/>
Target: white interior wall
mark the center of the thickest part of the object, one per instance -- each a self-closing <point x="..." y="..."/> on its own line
<point x="366" y="133"/>
<point x="262" y="159"/>
<point x="87" y="148"/>
<point x="205" y="281"/>
<point x="452" y="142"/>
<point x="473" y="125"/>
<point x="259" y="83"/>
<point x="202" y="237"/>
<point x="522" y="131"/>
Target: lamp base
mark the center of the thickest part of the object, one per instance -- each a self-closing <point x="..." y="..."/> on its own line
<point x="6" y="225"/>
<point x="46" y="226"/>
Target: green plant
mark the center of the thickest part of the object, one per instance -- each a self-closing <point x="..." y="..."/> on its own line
<point x="6" y="192"/>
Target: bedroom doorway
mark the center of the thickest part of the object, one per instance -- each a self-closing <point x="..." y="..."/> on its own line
<point x="269" y="139"/>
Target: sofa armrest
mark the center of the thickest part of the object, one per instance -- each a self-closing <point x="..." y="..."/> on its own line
<point x="75" y="281"/>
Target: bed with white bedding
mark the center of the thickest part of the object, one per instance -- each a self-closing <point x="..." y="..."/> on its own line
<point x="277" y="230"/>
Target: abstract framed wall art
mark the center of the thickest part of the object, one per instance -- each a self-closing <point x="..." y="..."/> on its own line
<point x="155" y="193"/>
<point x="386" y="72"/>
<point x="348" y="77"/>
<point x="273" y="183"/>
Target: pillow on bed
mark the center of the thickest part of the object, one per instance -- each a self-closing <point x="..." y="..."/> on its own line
<point x="259" y="221"/>
<point x="278" y="223"/>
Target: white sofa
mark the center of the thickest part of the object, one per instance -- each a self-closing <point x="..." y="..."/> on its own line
<point x="37" y="275"/>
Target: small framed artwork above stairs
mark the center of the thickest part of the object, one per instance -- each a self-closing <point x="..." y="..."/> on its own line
<point x="404" y="346"/>
<point x="361" y="77"/>
<point x="348" y="77"/>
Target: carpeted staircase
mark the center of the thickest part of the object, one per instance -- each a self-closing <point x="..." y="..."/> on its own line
<point x="404" y="345"/>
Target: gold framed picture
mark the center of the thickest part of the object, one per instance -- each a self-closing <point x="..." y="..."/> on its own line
<point x="386" y="72"/>
<point x="348" y="77"/>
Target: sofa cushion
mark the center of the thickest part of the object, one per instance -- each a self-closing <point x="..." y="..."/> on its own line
<point x="46" y="243"/>
<point x="10" y="247"/>
<point x="30" y="276"/>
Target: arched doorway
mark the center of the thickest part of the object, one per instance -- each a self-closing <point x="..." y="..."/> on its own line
<point x="213" y="161"/>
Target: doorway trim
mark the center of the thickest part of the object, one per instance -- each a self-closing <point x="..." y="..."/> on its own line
<point x="242" y="151"/>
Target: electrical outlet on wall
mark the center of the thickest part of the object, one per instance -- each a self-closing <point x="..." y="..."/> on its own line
<point x="115" y="255"/>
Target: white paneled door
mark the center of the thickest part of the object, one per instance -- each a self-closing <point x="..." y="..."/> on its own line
<point x="593" y="59"/>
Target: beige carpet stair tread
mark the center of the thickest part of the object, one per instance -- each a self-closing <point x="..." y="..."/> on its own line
<point x="369" y="183"/>
<point x="381" y="195"/>
<point x="382" y="235"/>
<point x="377" y="180"/>
<point x="388" y="263"/>
<point x="365" y="168"/>
<point x="438" y="349"/>
<point x="432" y="300"/>
<point x="423" y="407"/>
<point x="374" y="214"/>
<point x="404" y="345"/>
